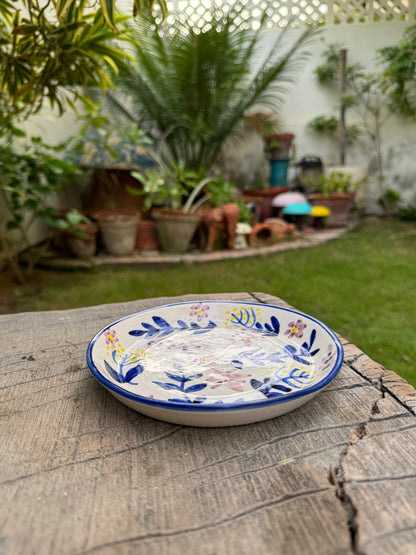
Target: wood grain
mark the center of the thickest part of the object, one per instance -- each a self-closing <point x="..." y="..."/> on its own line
<point x="82" y="473"/>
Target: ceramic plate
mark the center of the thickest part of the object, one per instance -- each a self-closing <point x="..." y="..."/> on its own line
<point x="215" y="363"/>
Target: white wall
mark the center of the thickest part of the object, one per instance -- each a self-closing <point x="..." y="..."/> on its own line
<point x="307" y="100"/>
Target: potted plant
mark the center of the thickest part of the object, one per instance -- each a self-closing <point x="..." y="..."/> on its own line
<point x="174" y="195"/>
<point x="80" y="233"/>
<point x="337" y="192"/>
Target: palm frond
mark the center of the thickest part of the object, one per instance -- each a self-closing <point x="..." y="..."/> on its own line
<point x="192" y="87"/>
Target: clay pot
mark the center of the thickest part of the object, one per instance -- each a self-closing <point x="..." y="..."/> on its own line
<point x="175" y="229"/>
<point x="339" y="204"/>
<point x="282" y="150"/>
<point x="82" y="247"/>
<point x="147" y="238"/>
<point x="118" y="230"/>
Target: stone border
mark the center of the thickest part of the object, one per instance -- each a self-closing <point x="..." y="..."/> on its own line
<point x="52" y="261"/>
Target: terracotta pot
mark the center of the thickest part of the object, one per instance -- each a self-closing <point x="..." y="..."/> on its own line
<point x="147" y="238"/>
<point x="175" y="229"/>
<point x="282" y="150"/>
<point x="82" y="247"/>
<point x="118" y="230"/>
<point x="339" y="204"/>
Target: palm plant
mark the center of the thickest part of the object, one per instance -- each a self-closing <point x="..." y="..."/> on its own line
<point x="189" y="89"/>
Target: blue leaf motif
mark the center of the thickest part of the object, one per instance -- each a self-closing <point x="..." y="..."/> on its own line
<point x="133" y="372"/>
<point x="196" y="387"/>
<point x="275" y="324"/>
<point x="176" y="377"/>
<point x="281" y="388"/>
<point x="161" y="322"/>
<point x="137" y="333"/>
<point x="256" y="384"/>
<point x="182" y="324"/>
<point x="149" y="327"/>
<point x="290" y="350"/>
<point x="259" y="326"/>
<point x="115" y="375"/>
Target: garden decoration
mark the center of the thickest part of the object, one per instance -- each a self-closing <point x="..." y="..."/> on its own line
<point x="220" y="218"/>
<point x="296" y="213"/>
<point x="284" y="199"/>
<point x="318" y="215"/>
<point x="242" y="231"/>
<point x="311" y="168"/>
<point x="280" y="228"/>
<point x="291" y="197"/>
<point x="215" y="363"/>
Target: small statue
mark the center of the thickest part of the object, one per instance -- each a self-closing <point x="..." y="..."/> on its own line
<point x="221" y="218"/>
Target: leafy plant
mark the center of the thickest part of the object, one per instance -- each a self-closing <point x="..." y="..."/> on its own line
<point x="72" y="223"/>
<point x="337" y="182"/>
<point x="190" y="89"/>
<point x="389" y="201"/>
<point x="407" y="213"/>
<point x="30" y="175"/>
<point x="49" y="49"/>
<point x="364" y="97"/>
<point x="399" y="77"/>
<point x="175" y="188"/>
<point x="329" y="126"/>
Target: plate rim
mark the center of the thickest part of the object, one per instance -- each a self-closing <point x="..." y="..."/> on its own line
<point x="194" y="407"/>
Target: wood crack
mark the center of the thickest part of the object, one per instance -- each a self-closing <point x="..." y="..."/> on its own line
<point x="337" y="478"/>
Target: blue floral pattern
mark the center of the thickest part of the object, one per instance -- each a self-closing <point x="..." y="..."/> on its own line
<point x="207" y="357"/>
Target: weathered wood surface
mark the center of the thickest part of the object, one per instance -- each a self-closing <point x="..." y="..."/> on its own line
<point x="82" y="473"/>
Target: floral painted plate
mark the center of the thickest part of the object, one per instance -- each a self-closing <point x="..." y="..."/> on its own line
<point x="215" y="363"/>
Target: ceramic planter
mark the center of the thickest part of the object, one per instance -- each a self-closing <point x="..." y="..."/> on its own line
<point x="175" y="229"/>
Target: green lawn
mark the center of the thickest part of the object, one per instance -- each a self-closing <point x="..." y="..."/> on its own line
<point x="363" y="286"/>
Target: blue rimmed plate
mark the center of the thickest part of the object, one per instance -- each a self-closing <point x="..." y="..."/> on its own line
<point x="215" y="363"/>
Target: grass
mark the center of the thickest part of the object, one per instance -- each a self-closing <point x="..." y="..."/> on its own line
<point x="363" y="286"/>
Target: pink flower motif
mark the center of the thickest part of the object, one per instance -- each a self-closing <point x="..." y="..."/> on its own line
<point x="110" y="337"/>
<point x="229" y="378"/>
<point x="200" y="311"/>
<point x="295" y="329"/>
